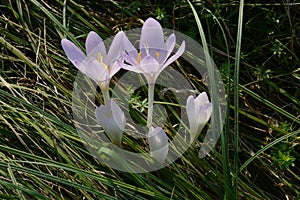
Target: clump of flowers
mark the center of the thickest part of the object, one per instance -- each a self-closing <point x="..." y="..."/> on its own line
<point x="97" y="64"/>
<point x="152" y="57"/>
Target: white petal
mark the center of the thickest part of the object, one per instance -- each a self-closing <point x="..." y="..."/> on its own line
<point x="95" y="70"/>
<point x="100" y="112"/>
<point x="118" y="115"/>
<point x="159" y="54"/>
<point x="192" y="117"/>
<point x="152" y="36"/>
<point x="127" y="62"/>
<point x="74" y="54"/>
<point x="132" y="68"/>
<point x="190" y="107"/>
<point x="150" y="65"/>
<point x="158" y="143"/>
<point x="129" y="48"/>
<point x="170" y="43"/>
<point x="201" y="99"/>
<point x="129" y="59"/>
<point x="177" y="55"/>
<point x="198" y="111"/>
<point x="106" y="120"/>
<point x="208" y="110"/>
<point x="104" y="116"/>
<point x="204" y="114"/>
<point x="116" y="48"/>
<point x="95" y="45"/>
<point x="113" y="69"/>
<point x="200" y="121"/>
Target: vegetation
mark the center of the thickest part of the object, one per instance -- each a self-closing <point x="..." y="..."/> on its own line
<point x="256" y="47"/>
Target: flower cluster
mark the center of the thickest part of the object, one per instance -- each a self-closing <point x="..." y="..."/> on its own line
<point x="152" y="57"/>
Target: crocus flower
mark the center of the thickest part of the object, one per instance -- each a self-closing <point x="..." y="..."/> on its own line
<point x="158" y="143"/>
<point x="198" y="112"/>
<point x="96" y="64"/>
<point x="112" y="120"/>
<point x="154" y="51"/>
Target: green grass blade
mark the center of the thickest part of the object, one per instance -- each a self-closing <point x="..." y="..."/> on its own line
<point x="271" y="144"/>
<point x="236" y="99"/>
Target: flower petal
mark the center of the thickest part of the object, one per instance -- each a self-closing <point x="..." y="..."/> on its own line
<point x="204" y="115"/>
<point x="152" y="36"/>
<point x="74" y="54"/>
<point x="129" y="48"/>
<point x="116" y="48"/>
<point x="164" y="52"/>
<point x="198" y="111"/>
<point x="190" y="106"/>
<point x="105" y="118"/>
<point x="150" y="65"/>
<point x="118" y="115"/>
<point x="128" y="63"/>
<point x="94" y="70"/>
<point x="95" y="45"/>
<point x="191" y="114"/>
<point x="207" y="109"/>
<point x="158" y="144"/>
<point x="170" y="44"/>
<point x="201" y="99"/>
<point x="128" y="60"/>
<point x="159" y="54"/>
<point x="132" y="68"/>
<point x="113" y="69"/>
<point x="150" y="68"/>
<point x="177" y="55"/>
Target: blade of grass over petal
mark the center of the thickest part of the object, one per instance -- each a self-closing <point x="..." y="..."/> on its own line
<point x="226" y="133"/>
<point x="216" y="120"/>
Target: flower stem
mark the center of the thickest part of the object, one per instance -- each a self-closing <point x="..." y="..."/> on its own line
<point x="104" y="86"/>
<point x="150" y="103"/>
<point x="105" y="92"/>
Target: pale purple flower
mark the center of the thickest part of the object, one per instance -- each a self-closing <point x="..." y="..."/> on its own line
<point x="96" y="64"/>
<point x="198" y="112"/>
<point x="112" y="120"/>
<point x="154" y="52"/>
<point x="158" y="143"/>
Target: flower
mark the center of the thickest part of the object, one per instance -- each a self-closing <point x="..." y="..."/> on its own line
<point x="158" y="143"/>
<point x="154" y="52"/>
<point x="198" y="112"/>
<point x="96" y="64"/>
<point x="112" y="120"/>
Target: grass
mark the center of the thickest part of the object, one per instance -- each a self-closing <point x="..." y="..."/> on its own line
<point x="257" y="157"/>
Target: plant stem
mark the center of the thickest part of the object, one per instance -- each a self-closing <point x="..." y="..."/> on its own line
<point x="105" y="92"/>
<point x="104" y="86"/>
<point x="150" y="103"/>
